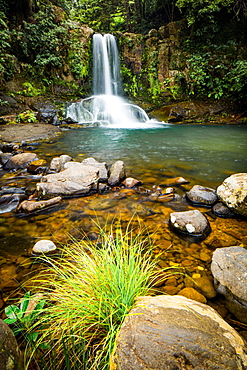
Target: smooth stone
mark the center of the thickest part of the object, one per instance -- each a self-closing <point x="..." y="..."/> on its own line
<point x="221" y="210"/>
<point x="229" y="269"/>
<point x="44" y="246"/>
<point x="202" y="195"/>
<point x="191" y="293"/>
<point x="233" y="193"/>
<point x="130" y="182"/>
<point x="10" y="354"/>
<point x="189" y="222"/>
<point x="174" y="332"/>
<point x="19" y="161"/>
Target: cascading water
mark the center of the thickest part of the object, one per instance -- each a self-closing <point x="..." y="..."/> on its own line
<point x="106" y="106"/>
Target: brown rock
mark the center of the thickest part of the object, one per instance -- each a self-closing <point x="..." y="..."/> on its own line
<point x="191" y="293"/>
<point x="174" y="332"/>
<point x="31" y="206"/>
<point x="130" y="182"/>
<point x="20" y="161"/>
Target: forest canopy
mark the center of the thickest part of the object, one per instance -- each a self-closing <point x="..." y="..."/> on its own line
<point x="41" y="39"/>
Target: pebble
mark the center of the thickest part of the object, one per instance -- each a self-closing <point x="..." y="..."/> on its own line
<point x="44" y="246"/>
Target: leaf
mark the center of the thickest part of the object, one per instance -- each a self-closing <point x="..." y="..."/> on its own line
<point x="24" y="302"/>
<point x="13" y="312"/>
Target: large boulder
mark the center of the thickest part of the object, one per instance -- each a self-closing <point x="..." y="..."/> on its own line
<point x="233" y="193"/>
<point x="192" y="223"/>
<point x="174" y="332"/>
<point x="229" y="268"/>
<point x="202" y="195"/>
<point x="10" y="354"/>
<point x="20" y="161"/>
<point x="75" y="179"/>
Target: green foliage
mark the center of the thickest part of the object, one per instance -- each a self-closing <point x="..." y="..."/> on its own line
<point x="26" y="117"/>
<point x="199" y="9"/>
<point x="30" y="90"/>
<point x="217" y="73"/>
<point x="22" y="317"/>
<point x="90" y="289"/>
<point x="7" y="66"/>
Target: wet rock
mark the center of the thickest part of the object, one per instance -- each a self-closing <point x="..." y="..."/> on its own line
<point x="173" y="332"/>
<point x="140" y="210"/>
<point x="233" y="193"/>
<point x="221" y="210"/>
<point x="11" y="190"/>
<point x="75" y="179"/>
<point x="175" y="181"/>
<point x="48" y="114"/>
<point x="9" y="147"/>
<point x="189" y="222"/>
<point x="130" y="182"/>
<point x="44" y="246"/>
<point x="117" y="173"/>
<point x="4" y="157"/>
<point x="21" y="160"/>
<point x="204" y="284"/>
<point x="177" y="114"/>
<point x="8" y="104"/>
<point x="202" y="195"/>
<point x="193" y="294"/>
<point x="36" y="167"/>
<point x="10" y="354"/>
<point x="102" y="168"/>
<point x="9" y="202"/>
<point x="229" y="268"/>
<point x="32" y="206"/>
<point x="57" y="163"/>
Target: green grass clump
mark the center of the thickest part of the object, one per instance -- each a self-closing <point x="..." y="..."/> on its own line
<point x="89" y="290"/>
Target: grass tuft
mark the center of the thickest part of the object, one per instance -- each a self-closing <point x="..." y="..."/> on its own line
<point x="89" y="290"/>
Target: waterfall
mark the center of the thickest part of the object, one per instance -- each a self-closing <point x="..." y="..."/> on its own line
<point x="106" y="66"/>
<point x="107" y="107"/>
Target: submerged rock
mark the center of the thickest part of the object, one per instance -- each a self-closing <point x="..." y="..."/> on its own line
<point x="175" y="181"/>
<point x="202" y="195"/>
<point x="229" y="268"/>
<point x="189" y="222"/>
<point x="173" y="332"/>
<point x="130" y="182"/>
<point x="233" y="193"/>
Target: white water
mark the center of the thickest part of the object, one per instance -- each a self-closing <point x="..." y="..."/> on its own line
<point x="106" y="107"/>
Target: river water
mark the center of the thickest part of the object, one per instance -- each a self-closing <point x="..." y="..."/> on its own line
<point x="203" y="155"/>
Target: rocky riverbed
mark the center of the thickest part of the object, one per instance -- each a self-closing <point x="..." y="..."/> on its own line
<point x="192" y="227"/>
